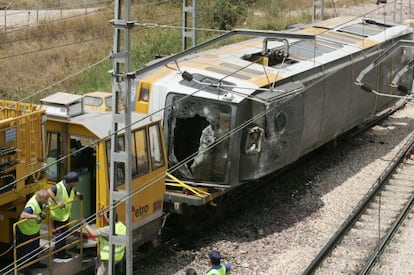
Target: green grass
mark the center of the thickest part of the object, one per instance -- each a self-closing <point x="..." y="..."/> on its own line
<point x="35" y="58"/>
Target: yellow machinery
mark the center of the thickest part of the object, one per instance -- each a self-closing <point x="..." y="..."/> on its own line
<point x="83" y="135"/>
<point x="21" y="158"/>
<point x="63" y="136"/>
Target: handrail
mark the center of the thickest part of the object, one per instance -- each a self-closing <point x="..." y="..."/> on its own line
<point x="48" y="234"/>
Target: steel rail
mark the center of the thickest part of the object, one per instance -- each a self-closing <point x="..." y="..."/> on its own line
<point x="387" y="238"/>
<point x="363" y="204"/>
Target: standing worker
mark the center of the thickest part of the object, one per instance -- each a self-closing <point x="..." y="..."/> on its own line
<point x="34" y="212"/>
<point x="103" y="234"/>
<point x="60" y="195"/>
<point x="217" y="268"/>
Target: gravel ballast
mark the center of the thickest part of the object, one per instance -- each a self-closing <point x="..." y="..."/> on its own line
<point x="282" y="230"/>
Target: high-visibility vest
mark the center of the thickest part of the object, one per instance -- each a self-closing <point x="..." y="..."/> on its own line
<point x="120" y="229"/>
<point x="221" y="271"/>
<point x="31" y="227"/>
<point x="62" y="214"/>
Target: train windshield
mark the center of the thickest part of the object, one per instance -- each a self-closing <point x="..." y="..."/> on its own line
<point x="198" y="141"/>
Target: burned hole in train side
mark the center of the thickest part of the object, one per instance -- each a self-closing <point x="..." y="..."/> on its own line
<point x="187" y="133"/>
<point x="196" y="130"/>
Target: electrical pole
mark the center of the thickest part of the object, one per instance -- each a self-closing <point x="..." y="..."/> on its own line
<point x="189" y="32"/>
<point x="120" y="163"/>
<point x="317" y="4"/>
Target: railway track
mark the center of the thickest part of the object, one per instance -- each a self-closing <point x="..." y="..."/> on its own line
<point x="359" y="241"/>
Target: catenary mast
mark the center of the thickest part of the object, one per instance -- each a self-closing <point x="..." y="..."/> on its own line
<point x="120" y="163"/>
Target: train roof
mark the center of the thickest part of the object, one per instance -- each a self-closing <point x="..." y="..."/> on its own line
<point x="240" y="68"/>
<point x="68" y="107"/>
<point x="99" y="122"/>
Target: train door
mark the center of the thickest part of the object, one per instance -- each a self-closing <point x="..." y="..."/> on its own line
<point x="66" y="153"/>
<point x="148" y="167"/>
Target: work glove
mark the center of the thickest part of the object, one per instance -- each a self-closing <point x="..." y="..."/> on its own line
<point x="42" y="215"/>
<point x="80" y="196"/>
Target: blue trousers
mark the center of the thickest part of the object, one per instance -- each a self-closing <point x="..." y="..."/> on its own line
<point x="60" y="234"/>
<point x="27" y="251"/>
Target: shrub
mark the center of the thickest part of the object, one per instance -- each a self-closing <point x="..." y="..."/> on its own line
<point x="227" y="13"/>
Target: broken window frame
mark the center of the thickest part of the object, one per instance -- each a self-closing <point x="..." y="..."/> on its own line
<point x="254" y="139"/>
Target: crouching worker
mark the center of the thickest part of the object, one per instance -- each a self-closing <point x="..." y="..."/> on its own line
<point x="103" y="235"/>
<point x="217" y="268"/>
<point x="34" y="211"/>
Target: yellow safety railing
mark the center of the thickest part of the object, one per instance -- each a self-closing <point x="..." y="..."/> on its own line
<point x="48" y="235"/>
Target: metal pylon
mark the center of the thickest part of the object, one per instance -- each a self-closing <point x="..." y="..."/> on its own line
<point x="120" y="168"/>
<point x="317" y="8"/>
<point x="189" y="32"/>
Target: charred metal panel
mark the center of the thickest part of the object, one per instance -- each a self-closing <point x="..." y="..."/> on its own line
<point x="336" y="94"/>
<point x="197" y="128"/>
<point x="313" y="117"/>
<point x="280" y="131"/>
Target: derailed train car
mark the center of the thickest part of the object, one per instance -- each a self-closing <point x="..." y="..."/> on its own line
<point x="239" y="112"/>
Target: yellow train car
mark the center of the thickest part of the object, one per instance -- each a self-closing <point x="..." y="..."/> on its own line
<point x="83" y="135"/>
<point x="100" y="101"/>
<point x="21" y="158"/>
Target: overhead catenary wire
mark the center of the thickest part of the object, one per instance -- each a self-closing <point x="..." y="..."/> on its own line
<point x="197" y="152"/>
<point x="77" y="151"/>
<point x="189" y="158"/>
<point x="56" y="84"/>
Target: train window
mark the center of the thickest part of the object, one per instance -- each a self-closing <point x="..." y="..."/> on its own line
<point x="108" y="101"/>
<point x="144" y="94"/>
<point x="139" y="153"/>
<point x="341" y="37"/>
<point x="307" y="49"/>
<point x="254" y="140"/>
<point x="120" y="167"/>
<point x="92" y="101"/>
<point x="364" y="29"/>
<point x="157" y="155"/>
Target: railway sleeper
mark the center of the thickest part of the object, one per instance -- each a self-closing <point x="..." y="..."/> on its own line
<point x="409" y="163"/>
<point x="375" y="204"/>
<point x="373" y="219"/>
<point x="333" y="270"/>
<point x="407" y="170"/>
<point x="341" y="251"/>
<point x="398" y="182"/>
<point x="392" y="196"/>
<point x="361" y="229"/>
<point x="359" y="243"/>
<point x="403" y="177"/>
<point x="362" y="237"/>
<point x="383" y="212"/>
<point x="399" y="187"/>
<point x="346" y="259"/>
<point x="343" y="266"/>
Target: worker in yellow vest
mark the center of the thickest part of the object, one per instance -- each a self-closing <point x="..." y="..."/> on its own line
<point x="103" y="235"/>
<point x="61" y="194"/>
<point x="33" y="213"/>
<point x="217" y="268"/>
